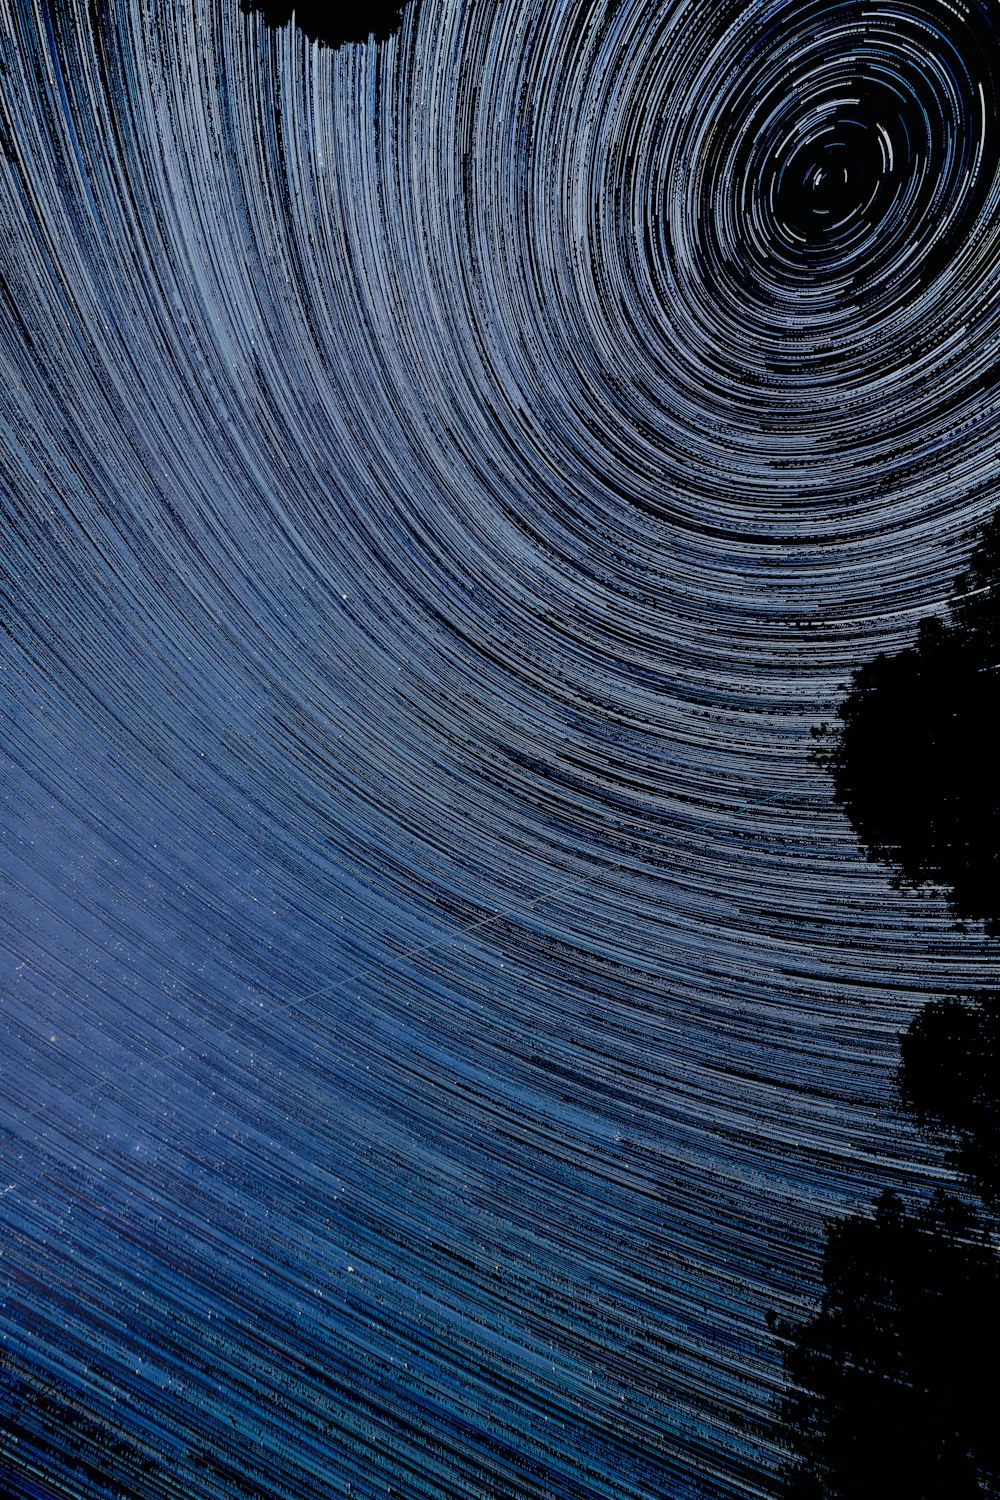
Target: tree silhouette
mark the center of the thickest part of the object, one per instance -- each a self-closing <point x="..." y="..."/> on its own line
<point x="949" y="1077"/>
<point x="894" y="1391"/>
<point x="333" y="25"/>
<point x="892" y="1386"/>
<point x="913" y="756"/>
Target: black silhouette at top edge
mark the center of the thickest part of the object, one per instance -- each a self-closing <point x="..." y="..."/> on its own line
<point x="333" y="25"/>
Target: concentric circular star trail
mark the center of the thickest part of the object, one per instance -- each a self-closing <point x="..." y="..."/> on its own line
<point x="443" y="483"/>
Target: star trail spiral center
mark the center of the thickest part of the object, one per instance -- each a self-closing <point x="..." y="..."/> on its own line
<point x="831" y="182"/>
<point x="445" y="481"/>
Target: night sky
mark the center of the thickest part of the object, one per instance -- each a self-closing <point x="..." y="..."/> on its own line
<point x="444" y="481"/>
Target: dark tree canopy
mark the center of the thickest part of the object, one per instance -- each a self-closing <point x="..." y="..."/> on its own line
<point x="914" y="757"/>
<point x="895" y="1375"/>
<point x="950" y="1077"/>
<point x="893" y="1383"/>
<point x="333" y="24"/>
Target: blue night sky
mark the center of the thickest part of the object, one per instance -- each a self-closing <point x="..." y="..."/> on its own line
<point x="441" y="1004"/>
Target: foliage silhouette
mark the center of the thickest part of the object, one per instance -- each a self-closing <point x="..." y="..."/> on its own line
<point x="333" y="25"/>
<point x="913" y="756"/>
<point x="894" y="1394"/>
<point x="892" y="1384"/>
<point x="949" y="1077"/>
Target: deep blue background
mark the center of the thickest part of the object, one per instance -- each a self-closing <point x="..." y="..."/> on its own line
<point x="441" y="1003"/>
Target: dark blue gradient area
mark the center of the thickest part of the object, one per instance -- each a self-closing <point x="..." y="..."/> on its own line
<point x="444" y="480"/>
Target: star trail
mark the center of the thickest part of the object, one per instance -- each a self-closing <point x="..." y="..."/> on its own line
<point x="445" y="480"/>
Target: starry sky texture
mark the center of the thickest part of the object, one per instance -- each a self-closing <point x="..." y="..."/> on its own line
<point x="443" y="482"/>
